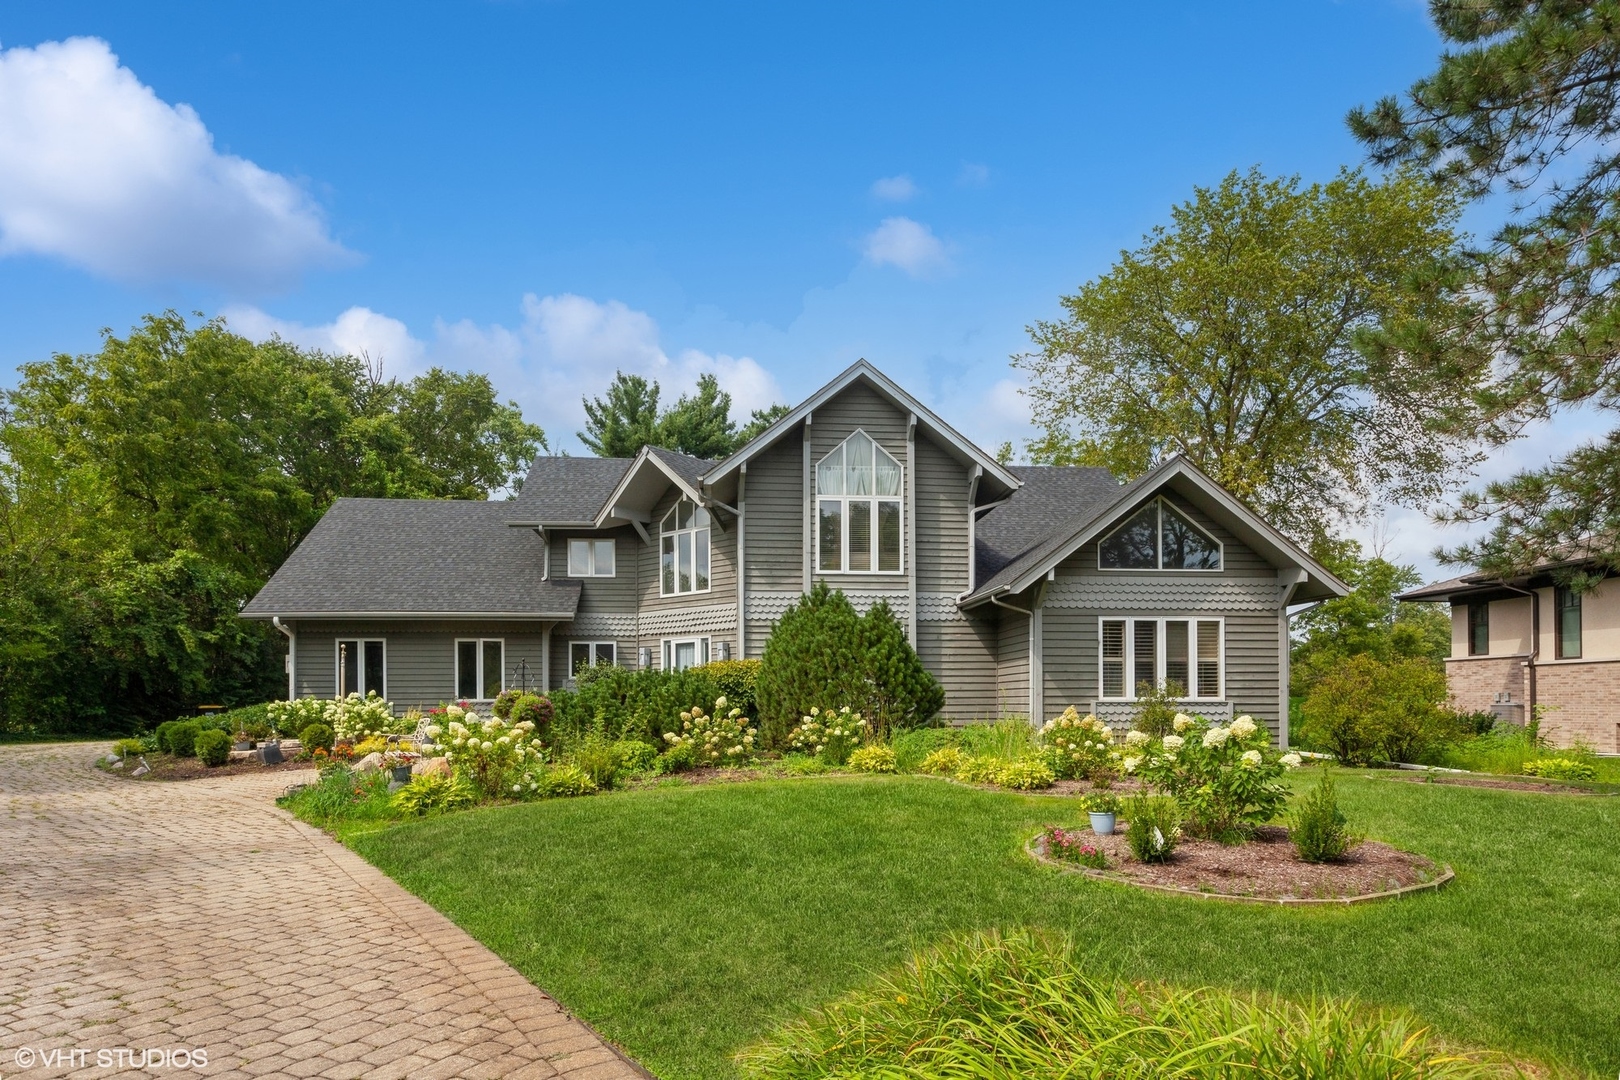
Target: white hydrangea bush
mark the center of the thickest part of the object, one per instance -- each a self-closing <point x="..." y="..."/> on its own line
<point x="499" y="758"/>
<point x="355" y="718"/>
<point x="829" y="735"/>
<point x="1078" y="746"/>
<point x="1223" y="777"/>
<point x="718" y="738"/>
<point x="292" y="717"/>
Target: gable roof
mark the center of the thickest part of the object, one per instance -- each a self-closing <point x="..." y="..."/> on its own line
<point x="645" y="481"/>
<point x="861" y="370"/>
<point x="1051" y="498"/>
<point x="1030" y="566"/>
<point x="417" y="558"/>
<point x="566" y="490"/>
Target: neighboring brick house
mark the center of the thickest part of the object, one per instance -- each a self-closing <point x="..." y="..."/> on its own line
<point x="1527" y="641"/>
<point x="1024" y="589"/>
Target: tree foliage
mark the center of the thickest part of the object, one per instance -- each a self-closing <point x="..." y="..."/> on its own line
<point x="149" y="489"/>
<point x="627" y="418"/>
<point x="1368" y="621"/>
<point x="1230" y="336"/>
<point x="1366" y="710"/>
<point x="1525" y="105"/>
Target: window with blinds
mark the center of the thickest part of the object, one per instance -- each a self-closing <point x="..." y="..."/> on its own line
<point x="1184" y="654"/>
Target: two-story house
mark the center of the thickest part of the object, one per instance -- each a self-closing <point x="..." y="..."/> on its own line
<point x="1024" y="589"/>
<point x="1521" y="642"/>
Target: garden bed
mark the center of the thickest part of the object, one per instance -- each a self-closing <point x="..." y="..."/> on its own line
<point x="1265" y="869"/>
<point x="1508" y="783"/>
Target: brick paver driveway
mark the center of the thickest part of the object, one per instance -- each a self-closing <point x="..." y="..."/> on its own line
<point x="195" y="915"/>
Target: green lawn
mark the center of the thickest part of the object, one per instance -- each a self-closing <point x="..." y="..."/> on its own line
<point x="684" y="922"/>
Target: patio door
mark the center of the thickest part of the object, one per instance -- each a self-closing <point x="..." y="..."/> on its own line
<point x="361" y="667"/>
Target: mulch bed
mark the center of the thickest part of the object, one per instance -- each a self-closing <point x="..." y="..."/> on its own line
<point x="1573" y="787"/>
<point x="1264" y="868"/>
<point x="168" y="767"/>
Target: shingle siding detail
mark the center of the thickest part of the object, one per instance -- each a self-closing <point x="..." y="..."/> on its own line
<point x="765" y="608"/>
<point x="1212" y="595"/>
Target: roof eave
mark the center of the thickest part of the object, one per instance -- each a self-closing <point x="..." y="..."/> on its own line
<point x="539" y="616"/>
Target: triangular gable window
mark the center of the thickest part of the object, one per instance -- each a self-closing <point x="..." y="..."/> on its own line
<point x="1158" y="537"/>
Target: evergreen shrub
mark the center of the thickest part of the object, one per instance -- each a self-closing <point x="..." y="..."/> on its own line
<point x="738" y="680"/>
<point x="212" y="747"/>
<point x="619" y="703"/>
<point x="1317" y="825"/>
<point x="316" y="737"/>
<point x="822" y="653"/>
<point x="181" y="739"/>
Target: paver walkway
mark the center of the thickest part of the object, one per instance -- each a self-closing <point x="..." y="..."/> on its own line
<point x="195" y="915"/>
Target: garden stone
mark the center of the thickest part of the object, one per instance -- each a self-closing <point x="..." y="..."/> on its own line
<point x="142" y="769"/>
<point x="270" y="754"/>
<point x="436" y="766"/>
<point x="370" y="763"/>
<point x="119" y="764"/>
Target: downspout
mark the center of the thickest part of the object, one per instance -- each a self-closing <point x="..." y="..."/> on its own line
<point x="742" y="561"/>
<point x="292" y="654"/>
<point x="1535" y="650"/>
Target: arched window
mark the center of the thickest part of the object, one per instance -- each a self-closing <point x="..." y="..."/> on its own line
<point x="858" y="525"/>
<point x="1158" y="537"/>
<point x="684" y="550"/>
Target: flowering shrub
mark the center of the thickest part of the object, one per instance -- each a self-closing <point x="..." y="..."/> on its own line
<point x="1026" y="775"/>
<point x="1073" y="847"/>
<point x="946" y="761"/>
<point x="1101" y="802"/>
<point x="533" y="709"/>
<point x="1079" y="746"/>
<point x="1223" y="778"/>
<point x="354" y="718"/>
<point x="831" y="736"/>
<point x="706" y="739"/>
<point x="875" y="759"/>
<point x="490" y="753"/>
<point x="294" y="716"/>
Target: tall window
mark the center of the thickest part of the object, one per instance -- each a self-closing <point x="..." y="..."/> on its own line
<point x="683" y="653"/>
<point x="584" y="654"/>
<point x="1156" y="652"/>
<point x="590" y="558"/>
<point x="480" y="669"/>
<point x="1479" y="629"/>
<point x="685" y="549"/>
<point x="858" y="525"/>
<point x="361" y="668"/>
<point x="1158" y="537"/>
<point x="1567" y="606"/>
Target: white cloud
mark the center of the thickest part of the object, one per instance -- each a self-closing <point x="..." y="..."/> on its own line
<point x="894" y="188"/>
<point x="97" y="170"/>
<point x="973" y="175"/>
<point x="910" y="245"/>
<point x="359" y="331"/>
<point x="565" y="348"/>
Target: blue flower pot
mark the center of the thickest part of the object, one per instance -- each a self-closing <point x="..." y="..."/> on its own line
<point x="1102" y="824"/>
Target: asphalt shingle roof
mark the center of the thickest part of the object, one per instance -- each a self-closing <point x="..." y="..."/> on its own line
<point x="567" y="489"/>
<point x="421" y="556"/>
<point x="688" y="468"/>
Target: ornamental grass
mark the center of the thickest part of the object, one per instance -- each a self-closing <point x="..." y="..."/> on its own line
<point x="988" y="1007"/>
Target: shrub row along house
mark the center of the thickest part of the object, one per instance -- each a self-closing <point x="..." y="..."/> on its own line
<point x="1023" y="589"/>
<point x="1521" y="642"/>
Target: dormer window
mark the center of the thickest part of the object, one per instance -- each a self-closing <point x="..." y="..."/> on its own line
<point x="684" y="550"/>
<point x="858" y="524"/>
<point x="1158" y="537"/>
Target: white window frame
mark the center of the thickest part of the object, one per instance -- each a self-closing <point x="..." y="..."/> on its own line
<point x="677" y="533"/>
<point x="338" y="689"/>
<point x="594" y="644"/>
<point x="1130" y="622"/>
<point x="701" y="647"/>
<point x="843" y="501"/>
<point x="593" y="562"/>
<point x="1160" y="504"/>
<point x="455" y="688"/>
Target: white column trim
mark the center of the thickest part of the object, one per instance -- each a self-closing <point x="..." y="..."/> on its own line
<point x="911" y="527"/>
<point x="809" y="511"/>
<point x="742" y="561"/>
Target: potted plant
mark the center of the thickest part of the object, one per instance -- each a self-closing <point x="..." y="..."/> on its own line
<point x="400" y="762"/>
<point x="243" y="741"/>
<point x="1103" y="807"/>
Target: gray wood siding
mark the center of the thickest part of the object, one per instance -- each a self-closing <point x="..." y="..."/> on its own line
<point x="421" y="659"/>
<point x="602" y="595"/>
<point x="774" y="550"/>
<point x="1012" y="667"/>
<point x="942" y="520"/>
<point x="962" y="656"/>
<point x="859" y="407"/>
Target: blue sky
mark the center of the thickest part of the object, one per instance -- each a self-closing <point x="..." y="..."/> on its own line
<point x="551" y="191"/>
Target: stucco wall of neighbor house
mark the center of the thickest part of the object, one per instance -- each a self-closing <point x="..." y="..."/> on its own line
<point x="1600" y="623"/>
<point x="1245" y="593"/>
<point x="420" y="656"/>
<point x="1478" y="682"/>
<point x="1510" y="622"/>
<point x="1581" y="703"/>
